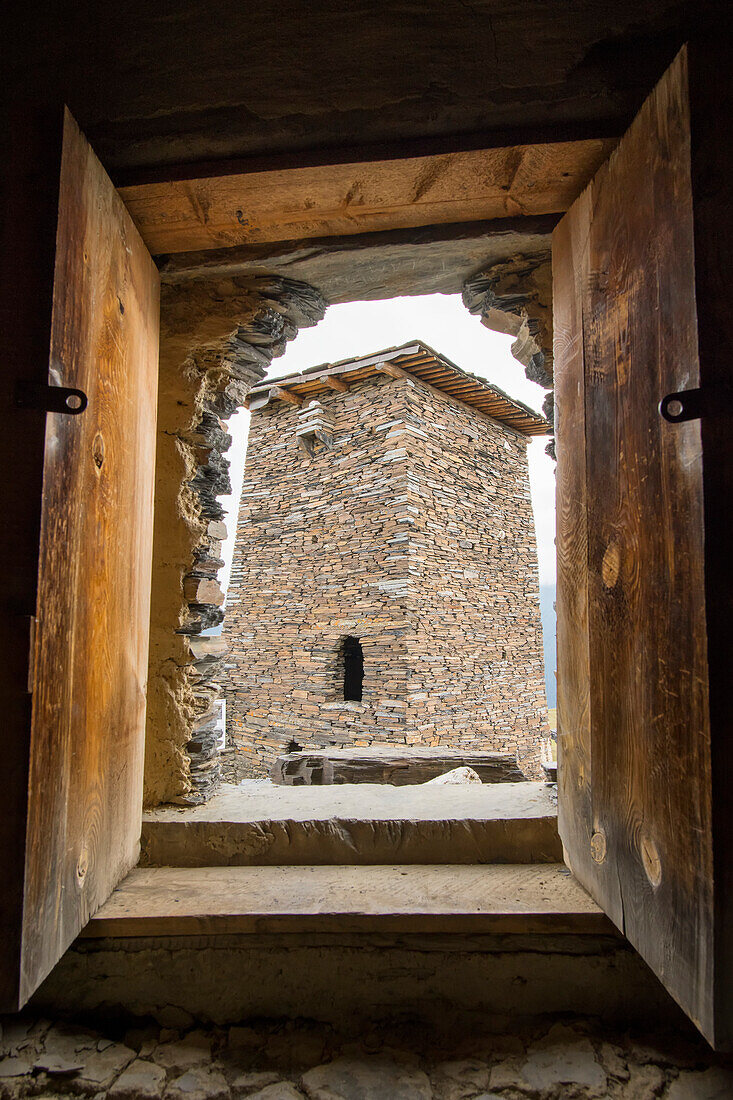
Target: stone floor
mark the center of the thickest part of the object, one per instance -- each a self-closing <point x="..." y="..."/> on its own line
<point x="269" y="1060"/>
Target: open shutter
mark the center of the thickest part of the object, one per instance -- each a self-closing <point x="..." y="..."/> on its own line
<point x="76" y="784"/>
<point x="644" y="540"/>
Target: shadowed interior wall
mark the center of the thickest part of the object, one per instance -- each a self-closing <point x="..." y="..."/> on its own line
<point x="442" y="980"/>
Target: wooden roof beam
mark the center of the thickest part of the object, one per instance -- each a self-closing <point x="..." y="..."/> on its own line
<point x="280" y="393"/>
<point x="391" y="369"/>
<point x="336" y="384"/>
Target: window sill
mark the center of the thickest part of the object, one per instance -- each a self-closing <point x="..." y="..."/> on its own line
<point x="499" y="899"/>
<point x="361" y="858"/>
<point x="345" y="704"/>
<point x="364" y="823"/>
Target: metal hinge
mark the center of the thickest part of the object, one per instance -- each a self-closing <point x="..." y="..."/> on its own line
<point x="58" y="399"/>
<point x="713" y="401"/>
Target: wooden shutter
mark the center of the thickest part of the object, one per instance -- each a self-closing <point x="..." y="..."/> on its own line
<point x="75" y="786"/>
<point x="644" y="539"/>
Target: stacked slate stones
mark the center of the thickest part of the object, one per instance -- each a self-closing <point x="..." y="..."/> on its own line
<point x="315" y="426"/>
<point x="413" y="535"/>
<point x="287" y="306"/>
<point x="516" y="297"/>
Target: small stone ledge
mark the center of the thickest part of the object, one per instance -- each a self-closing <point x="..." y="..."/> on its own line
<point x="357" y="824"/>
<point x="345" y="705"/>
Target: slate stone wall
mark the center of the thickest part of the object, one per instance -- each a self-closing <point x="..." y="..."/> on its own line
<point x="413" y="532"/>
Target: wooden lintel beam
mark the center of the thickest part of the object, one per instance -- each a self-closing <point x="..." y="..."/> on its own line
<point x="300" y="203"/>
<point x="280" y="393"/>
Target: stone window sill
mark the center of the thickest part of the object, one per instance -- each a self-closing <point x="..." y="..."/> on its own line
<point x="345" y="704"/>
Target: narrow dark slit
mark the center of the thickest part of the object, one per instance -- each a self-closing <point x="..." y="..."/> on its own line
<point x="353" y="669"/>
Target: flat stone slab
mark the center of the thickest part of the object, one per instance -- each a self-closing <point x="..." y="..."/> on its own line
<point x="268" y="825"/>
<point x="394" y="764"/>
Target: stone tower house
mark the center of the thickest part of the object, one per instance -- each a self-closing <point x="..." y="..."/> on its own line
<point x="384" y="586"/>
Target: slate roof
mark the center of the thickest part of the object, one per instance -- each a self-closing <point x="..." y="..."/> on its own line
<point x="415" y="359"/>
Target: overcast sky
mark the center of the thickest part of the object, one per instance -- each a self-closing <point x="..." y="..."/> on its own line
<point x="443" y="322"/>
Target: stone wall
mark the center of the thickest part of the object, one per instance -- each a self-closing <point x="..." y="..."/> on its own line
<point x="218" y="337"/>
<point x="413" y="533"/>
<point x="425" y="1044"/>
<point x="514" y="296"/>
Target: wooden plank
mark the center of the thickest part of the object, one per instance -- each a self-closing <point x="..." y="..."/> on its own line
<point x="336" y="384"/>
<point x="393" y="765"/>
<point x="91" y="639"/>
<point x="641" y="839"/>
<point x="570" y="275"/>
<point x="432" y="377"/>
<point x="324" y="156"/>
<point x="177" y="901"/>
<point x="341" y="199"/>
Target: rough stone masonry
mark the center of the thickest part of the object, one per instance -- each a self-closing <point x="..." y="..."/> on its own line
<point x="175" y="1057"/>
<point x="384" y="512"/>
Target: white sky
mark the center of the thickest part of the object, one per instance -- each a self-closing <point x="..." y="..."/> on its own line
<point x="443" y="322"/>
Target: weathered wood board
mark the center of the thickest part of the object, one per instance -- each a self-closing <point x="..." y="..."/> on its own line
<point x="170" y="901"/>
<point x="336" y="199"/>
<point x="391" y="765"/>
<point x="636" y="739"/>
<point x="89" y="671"/>
<point x="569" y="267"/>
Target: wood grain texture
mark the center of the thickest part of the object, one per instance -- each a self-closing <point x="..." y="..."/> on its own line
<point x="337" y="199"/>
<point x="90" y="657"/>
<point x="648" y="820"/>
<point x="569" y="268"/>
<point x="171" y="901"/>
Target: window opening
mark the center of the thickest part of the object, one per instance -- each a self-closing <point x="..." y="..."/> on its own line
<point x="349" y="537"/>
<point x="353" y="669"/>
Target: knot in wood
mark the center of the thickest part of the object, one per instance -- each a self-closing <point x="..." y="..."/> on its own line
<point x="598" y="846"/>
<point x="651" y="861"/>
<point x="611" y="565"/>
<point x="98" y="450"/>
